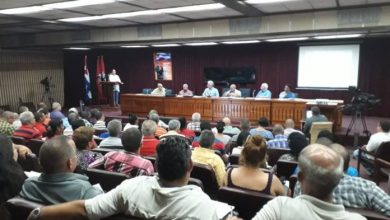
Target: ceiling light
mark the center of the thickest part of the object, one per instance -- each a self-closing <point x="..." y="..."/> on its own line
<point x="24" y="10"/>
<point x="201" y="44"/>
<point x="287" y="39"/>
<point x="81" y="19"/>
<point x="192" y="8"/>
<point x="131" y="14"/>
<point x="266" y="1"/>
<point x="241" y="42"/>
<point x="337" y="36"/>
<point x="165" y="45"/>
<point x="77" y="48"/>
<point x="134" y="46"/>
<point x="78" y="3"/>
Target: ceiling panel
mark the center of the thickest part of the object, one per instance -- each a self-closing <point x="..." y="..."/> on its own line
<point x="271" y="8"/>
<point x="54" y="27"/>
<point x="378" y="1"/>
<point x="108" y="23"/>
<point x="155" y="19"/>
<point x="4" y="20"/>
<point x="153" y="4"/>
<point x="223" y="12"/>
<point x="20" y="29"/>
<point x="352" y="2"/>
<point x="53" y="14"/>
<point x="107" y="8"/>
<point x="297" y="5"/>
<point x="24" y="3"/>
<point x="318" y="4"/>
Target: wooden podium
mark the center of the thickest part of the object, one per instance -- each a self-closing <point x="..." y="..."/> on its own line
<point x="108" y="89"/>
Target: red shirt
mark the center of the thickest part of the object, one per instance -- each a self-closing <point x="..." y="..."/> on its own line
<point x="27" y="132"/>
<point x="41" y="128"/>
<point x="148" y="147"/>
<point x="188" y="133"/>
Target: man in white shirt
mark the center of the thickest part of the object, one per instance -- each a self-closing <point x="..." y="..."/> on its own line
<point x="159" y="91"/>
<point x="232" y="92"/>
<point x="321" y="169"/>
<point x="113" y="77"/>
<point x="210" y="91"/>
<point x="166" y="196"/>
<point x="264" y="92"/>
<point x="289" y="127"/>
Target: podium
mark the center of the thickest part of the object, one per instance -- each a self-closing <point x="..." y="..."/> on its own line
<point x="108" y="89"/>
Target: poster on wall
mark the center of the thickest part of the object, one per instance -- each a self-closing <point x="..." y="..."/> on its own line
<point x="162" y="65"/>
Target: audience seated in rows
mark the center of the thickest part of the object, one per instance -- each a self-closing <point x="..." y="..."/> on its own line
<point x="229" y="129"/>
<point x="95" y="116"/>
<point x="133" y="122"/>
<point x="245" y="126"/>
<point x="206" y="155"/>
<point x="83" y="138"/>
<point x="6" y="120"/>
<point x="128" y="161"/>
<point x="159" y="130"/>
<point x="160" y="123"/>
<point x="58" y="183"/>
<point x="195" y="123"/>
<point x="100" y="123"/>
<point x="173" y="129"/>
<point x="248" y="175"/>
<point x="241" y="139"/>
<point x="219" y="136"/>
<point x="114" y="128"/>
<point x="56" y="114"/>
<point x="68" y="121"/>
<point x="260" y="130"/>
<point x="149" y="142"/>
<point x="55" y="128"/>
<point x="297" y="141"/>
<point x="86" y="117"/>
<point x="27" y="130"/>
<point x="166" y="196"/>
<point x="217" y="145"/>
<point x="280" y="140"/>
<point x="188" y="133"/>
<point x="316" y="117"/>
<point x="321" y="169"/>
<point x="289" y="125"/>
<point x="356" y="192"/>
<point x="39" y="118"/>
<point x="46" y="115"/>
<point x="16" y="124"/>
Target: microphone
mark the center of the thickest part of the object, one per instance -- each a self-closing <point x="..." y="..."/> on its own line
<point x="253" y="93"/>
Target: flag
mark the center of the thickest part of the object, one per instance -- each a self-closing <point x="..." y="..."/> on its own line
<point x="88" y="94"/>
<point x="99" y="76"/>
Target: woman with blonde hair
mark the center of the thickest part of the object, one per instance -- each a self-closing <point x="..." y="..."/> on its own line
<point x="248" y="175"/>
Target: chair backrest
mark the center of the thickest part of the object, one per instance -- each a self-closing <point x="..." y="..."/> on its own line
<point x="246" y="202"/>
<point x="20" y="208"/>
<point x="285" y="168"/>
<point x="196" y="182"/>
<point x="18" y="140"/>
<point x="30" y="163"/>
<point x="35" y="145"/>
<point x="147" y="91"/>
<point x="107" y="180"/>
<point x="99" y="132"/>
<point x="246" y="92"/>
<point x="274" y="154"/>
<point x="98" y="140"/>
<point x="168" y="92"/>
<point x="316" y="127"/>
<point x="103" y="150"/>
<point x="234" y="159"/>
<point x="383" y="151"/>
<point x="206" y="174"/>
<point x="369" y="214"/>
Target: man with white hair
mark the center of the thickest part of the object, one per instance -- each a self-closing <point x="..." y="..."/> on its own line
<point x="264" y="92"/>
<point x="195" y="123"/>
<point x="114" y="128"/>
<point x="232" y="92"/>
<point x="174" y="129"/>
<point x="321" y="169"/>
<point x="56" y="114"/>
<point x="185" y="91"/>
<point x="289" y="125"/>
<point x="159" y="91"/>
<point x="210" y="91"/>
<point x="27" y="129"/>
<point x="229" y="129"/>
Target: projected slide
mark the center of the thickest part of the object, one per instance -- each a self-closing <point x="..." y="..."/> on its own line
<point x="335" y="66"/>
<point x="162" y="66"/>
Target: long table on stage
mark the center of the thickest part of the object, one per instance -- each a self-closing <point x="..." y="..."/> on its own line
<point x="277" y="110"/>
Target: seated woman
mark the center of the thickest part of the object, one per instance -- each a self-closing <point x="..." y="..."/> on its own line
<point x="297" y="142"/>
<point x="83" y="138"/>
<point x="55" y="127"/>
<point x="248" y="175"/>
<point x="260" y="130"/>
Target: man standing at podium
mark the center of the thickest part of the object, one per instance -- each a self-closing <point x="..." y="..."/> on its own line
<point x="115" y="78"/>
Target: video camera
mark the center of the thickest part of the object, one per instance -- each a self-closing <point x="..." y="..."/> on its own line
<point x="361" y="101"/>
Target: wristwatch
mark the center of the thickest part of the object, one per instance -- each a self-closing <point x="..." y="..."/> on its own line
<point x="35" y="214"/>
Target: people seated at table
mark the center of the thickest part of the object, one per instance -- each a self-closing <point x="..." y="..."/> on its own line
<point x="264" y="92"/>
<point x="356" y="192"/>
<point x="133" y="122"/>
<point x="210" y="91"/>
<point x="128" y="161"/>
<point x="55" y="128"/>
<point x="149" y="141"/>
<point x="164" y="196"/>
<point x="188" y="133"/>
<point x="316" y="117"/>
<point x="289" y="127"/>
<point x="173" y="129"/>
<point x="229" y="129"/>
<point x="100" y="123"/>
<point x="232" y="92"/>
<point x="185" y="91"/>
<point x="261" y="129"/>
<point x="6" y="120"/>
<point x="296" y="141"/>
<point x="195" y="123"/>
<point x="280" y="140"/>
<point x="27" y="130"/>
<point x="159" y="130"/>
<point x="58" y="183"/>
<point x="159" y="91"/>
<point x="248" y="176"/>
<point x="39" y="117"/>
<point x="114" y="128"/>
<point x="83" y="138"/>
<point x="286" y="93"/>
<point x="382" y="135"/>
<point x="219" y="136"/>
<point x="321" y="170"/>
<point x="56" y="113"/>
<point x="206" y="155"/>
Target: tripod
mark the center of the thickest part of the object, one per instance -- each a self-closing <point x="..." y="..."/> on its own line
<point x="358" y="114"/>
<point x="47" y="94"/>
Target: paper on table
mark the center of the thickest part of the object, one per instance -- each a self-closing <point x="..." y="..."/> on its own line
<point x="223" y="209"/>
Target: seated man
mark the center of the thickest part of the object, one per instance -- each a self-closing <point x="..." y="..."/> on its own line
<point x="195" y="123"/>
<point x="185" y="91"/>
<point x="317" y="117"/>
<point x="264" y="92"/>
<point x="280" y="140"/>
<point x="210" y="91"/>
<point x="56" y="114"/>
<point x="232" y="92"/>
<point x="133" y="122"/>
<point x="128" y="161"/>
<point x="289" y="125"/>
<point x="159" y="91"/>
<point x="114" y="130"/>
<point x="261" y="130"/>
<point x="321" y="169"/>
<point x="229" y="129"/>
<point x="356" y="192"/>
<point x="6" y="120"/>
<point x="159" y="130"/>
<point x="100" y="124"/>
<point x="166" y="196"/>
<point x="286" y="93"/>
<point x="205" y="155"/>
<point x="58" y="183"/>
<point x="174" y="129"/>
<point x="27" y="130"/>
<point x="149" y="142"/>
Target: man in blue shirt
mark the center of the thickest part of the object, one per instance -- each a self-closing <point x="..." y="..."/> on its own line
<point x="210" y="91"/>
<point x="286" y="93"/>
<point x="264" y="92"/>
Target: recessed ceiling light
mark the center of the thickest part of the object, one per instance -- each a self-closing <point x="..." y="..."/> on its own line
<point x="201" y="44"/>
<point x="80" y="19"/>
<point x="77" y="48"/>
<point x="78" y="3"/>
<point x="23" y="10"/>
<point x="288" y="39"/>
<point x="337" y="36"/>
<point x="266" y="1"/>
<point x="131" y="14"/>
<point x="241" y="42"/>
<point x="134" y="46"/>
<point x="192" y="8"/>
<point x="165" y="45"/>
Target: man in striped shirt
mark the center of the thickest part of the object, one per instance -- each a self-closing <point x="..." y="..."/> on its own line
<point x="27" y="129"/>
<point x="280" y="140"/>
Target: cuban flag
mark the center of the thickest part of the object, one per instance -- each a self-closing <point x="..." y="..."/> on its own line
<point x="88" y="93"/>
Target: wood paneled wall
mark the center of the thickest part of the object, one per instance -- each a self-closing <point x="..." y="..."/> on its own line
<point x="22" y="71"/>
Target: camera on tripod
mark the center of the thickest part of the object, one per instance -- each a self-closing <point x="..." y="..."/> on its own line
<point x="360" y="102"/>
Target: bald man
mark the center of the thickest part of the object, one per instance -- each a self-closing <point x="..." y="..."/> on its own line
<point x="159" y="91"/>
<point x="185" y="91"/>
<point x="232" y="92"/>
<point x="289" y="125"/>
<point x="321" y="169"/>
<point x="229" y="129"/>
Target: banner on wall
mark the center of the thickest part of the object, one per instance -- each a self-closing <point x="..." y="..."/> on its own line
<point x="162" y="65"/>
